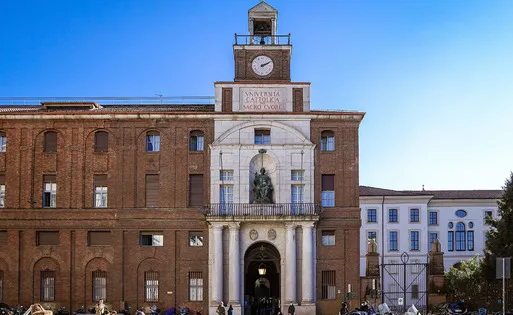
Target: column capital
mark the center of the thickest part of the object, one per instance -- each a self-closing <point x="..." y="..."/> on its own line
<point x="216" y="226"/>
<point x="308" y="225"/>
<point x="290" y="225"/>
<point x="234" y="225"/>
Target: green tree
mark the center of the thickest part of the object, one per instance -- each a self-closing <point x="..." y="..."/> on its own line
<point x="465" y="281"/>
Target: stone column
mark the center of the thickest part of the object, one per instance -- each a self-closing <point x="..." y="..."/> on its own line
<point x="290" y="264"/>
<point x="308" y="269"/>
<point x="217" y="263"/>
<point x="234" y="273"/>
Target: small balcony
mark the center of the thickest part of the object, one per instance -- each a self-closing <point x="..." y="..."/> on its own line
<point x="262" y="40"/>
<point x="251" y="211"/>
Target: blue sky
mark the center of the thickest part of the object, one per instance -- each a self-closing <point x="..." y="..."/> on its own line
<point x="434" y="77"/>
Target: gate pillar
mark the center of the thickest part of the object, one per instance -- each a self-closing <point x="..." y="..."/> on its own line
<point x="436" y="277"/>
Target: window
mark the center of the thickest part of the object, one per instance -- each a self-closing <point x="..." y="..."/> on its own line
<point x="328" y="238"/>
<point x="371" y="216"/>
<point x="2" y="191"/>
<point x="1" y="285"/>
<point x="470" y="240"/>
<point x="433" y="218"/>
<point x="100" y="191"/>
<point x="392" y="241"/>
<point x="152" y="190"/>
<point x="450" y="241"/>
<point x="460" y="236"/>
<point x="152" y="141"/>
<point x="98" y="238"/>
<point x="461" y="213"/>
<point x="297" y="194"/>
<point x="101" y="141"/>
<point x="3" y="141"/>
<point x="327" y="141"/>
<point x="226" y="199"/>
<point x="488" y="214"/>
<point x="450" y="225"/>
<point x="99" y="285"/>
<point x="328" y="283"/>
<point x="226" y="175"/>
<point x="49" y="191"/>
<point x="195" y="190"/>
<point x="297" y="175"/>
<point x="196" y="141"/>
<point x="262" y="136"/>
<point x="432" y="238"/>
<point x="328" y="191"/>
<point x="392" y="215"/>
<point x="50" y="144"/>
<point x="414" y="215"/>
<point x="195" y="286"/>
<point x="414" y="240"/>
<point x="414" y="291"/>
<point x="152" y="239"/>
<point x="47" y="286"/>
<point x="371" y="235"/>
<point x="47" y="238"/>
<point x="195" y="239"/>
<point x="151" y="286"/>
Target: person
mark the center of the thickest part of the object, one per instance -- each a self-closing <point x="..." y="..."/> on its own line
<point x="263" y="188"/>
<point x="230" y="310"/>
<point x="220" y="309"/>
<point x="292" y="309"/>
<point x="100" y="308"/>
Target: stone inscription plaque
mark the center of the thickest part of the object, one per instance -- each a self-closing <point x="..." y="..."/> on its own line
<point x="263" y="100"/>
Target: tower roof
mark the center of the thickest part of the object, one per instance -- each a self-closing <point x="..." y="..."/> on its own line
<point x="262" y="7"/>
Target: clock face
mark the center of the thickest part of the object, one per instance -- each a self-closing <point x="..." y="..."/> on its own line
<point x="262" y="65"/>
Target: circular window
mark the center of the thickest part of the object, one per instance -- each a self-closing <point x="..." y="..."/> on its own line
<point x="461" y="213"/>
<point x="471" y="225"/>
<point x="450" y="225"/>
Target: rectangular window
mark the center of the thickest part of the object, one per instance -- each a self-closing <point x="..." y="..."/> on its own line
<point x="371" y="216"/>
<point x="2" y="191"/>
<point x="152" y="143"/>
<point x="450" y="241"/>
<point x="101" y="141"/>
<point x="414" y="215"/>
<point x="49" y="191"/>
<point x="197" y="142"/>
<point x="195" y="239"/>
<point x="3" y="238"/>
<point x="226" y="199"/>
<point x="460" y="241"/>
<point x="262" y="136"/>
<point x="488" y="214"/>
<point x="414" y="240"/>
<point x="100" y="191"/>
<point x="297" y="194"/>
<point x="47" y="286"/>
<point x="99" y="285"/>
<point x="433" y="218"/>
<point x="327" y="141"/>
<point x="47" y="238"/>
<point x="152" y="239"/>
<point x="98" y="238"/>
<point x="328" y="285"/>
<point x="414" y="291"/>
<point x="297" y="175"/>
<point x="195" y="286"/>
<point x="50" y="144"/>
<point x="432" y="238"/>
<point x="392" y="215"/>
<point x="152" y="190"/>
<point x="328" y="190"/>
<point x="195" y="190"/>
<point x="3" y="142"/>
<point x="151" y="286"/>
<point x="328" y="238"/>
<point x="226" y="175"/>
<point x="470" y="240"/>
<point x="392" y="241"/>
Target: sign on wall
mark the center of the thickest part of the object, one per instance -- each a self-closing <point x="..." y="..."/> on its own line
<point x="263" y="100"/>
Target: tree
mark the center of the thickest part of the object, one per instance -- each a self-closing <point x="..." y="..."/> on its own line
<point x="465" y="281"/>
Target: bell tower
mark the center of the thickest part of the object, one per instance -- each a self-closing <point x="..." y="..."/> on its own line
<point x="262" y="55"/>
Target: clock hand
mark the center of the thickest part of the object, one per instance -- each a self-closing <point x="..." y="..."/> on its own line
<point x="265" y="64"/>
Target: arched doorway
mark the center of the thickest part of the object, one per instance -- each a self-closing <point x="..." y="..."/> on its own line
<point x="261" y="279"/>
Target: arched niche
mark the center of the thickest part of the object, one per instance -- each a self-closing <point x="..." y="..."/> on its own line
<point x="259" y="161"/>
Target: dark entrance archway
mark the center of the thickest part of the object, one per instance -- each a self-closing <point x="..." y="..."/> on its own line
<point x="261" y="292"/>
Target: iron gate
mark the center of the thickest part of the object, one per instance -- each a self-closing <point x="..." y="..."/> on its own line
<point x="404" y="284"/>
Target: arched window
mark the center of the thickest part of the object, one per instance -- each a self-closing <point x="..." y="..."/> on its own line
<point x="50" y="141"/>
<point x="3" y="141"/>
<point x="327" y="140"/>
<point x="460" y="236"/>
<point x="152" y="141"/>
<point x="99" y="285"/>
<point x="101" y="141"/>
<point x="197" y="140"/>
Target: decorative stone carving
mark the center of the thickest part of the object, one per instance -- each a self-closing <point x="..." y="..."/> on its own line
<point x="271" y="234"/>
<point x="253" y="234"/>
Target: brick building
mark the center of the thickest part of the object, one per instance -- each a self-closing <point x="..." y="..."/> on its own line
<point x="162" y="203"/>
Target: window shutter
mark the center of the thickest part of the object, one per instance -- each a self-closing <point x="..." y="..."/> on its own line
<point x="100" y="180"/>
<point x="99" y="238"/>
<point x="50" y="141"/>
<point x="101" y="141"/>
<point x="328" y="182"/>
<point x="195" y="190"/>
<point x="152" y="190"/>
<point x="47" y="238"/>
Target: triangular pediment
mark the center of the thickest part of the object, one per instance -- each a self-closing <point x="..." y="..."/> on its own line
<point x="262" y="7"/>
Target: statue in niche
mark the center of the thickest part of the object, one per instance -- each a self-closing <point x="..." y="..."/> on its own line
<point x="263" y="188"/>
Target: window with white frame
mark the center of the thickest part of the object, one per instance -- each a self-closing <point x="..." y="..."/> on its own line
<point x="297" y="194"/>
<point x="262" y="136"/>
<point x="151" y="286"/>
<point x="196" y="239"/>
<point x="226" y="175"/>
<point x="328" y="238"/>
<point x="226" y="199"/>
<point x="49" y="191"/>
<point x="152" y="239"/>
<point x="47" y="286"/>
<point x="99" y="285"/>
<point x="433" y="218"/>
<point x="152" y="141"/>
<point x="100" y="191"/>
<point x="196" y="141"/>
<point x="414" y="240"/>
<point x="2" y="191"/>
<point x="460" y="236"/>
<point x="3" y="141"/>
<point x="327" y="140"/>
<point x="414" y="215"/>
<point x="392" y="241"/>
<point x="392" y="215"/>
<point x="371" y="216"/>
<point x="297" y="175"/>
<point x="470" y="240"/>
<point x="328" y="190"/>
<point x="196" y="286"/>
<point x="450" y="241"/>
